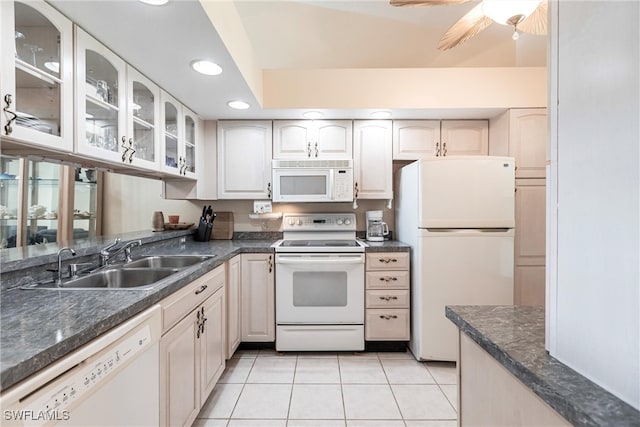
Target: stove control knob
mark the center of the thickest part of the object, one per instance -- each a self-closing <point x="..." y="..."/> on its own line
<point x="291" y="221"/>
<point x="347" y="221"/>
<point x="339" y="221"/>
<point x="299" y="222"/>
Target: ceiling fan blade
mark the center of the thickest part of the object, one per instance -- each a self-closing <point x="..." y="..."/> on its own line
<point x="425" y="2"/>
<point x="468" y="26"/>
<point x="536" y="23"/>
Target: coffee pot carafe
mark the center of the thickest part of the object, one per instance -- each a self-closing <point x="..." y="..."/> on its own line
<point x="376" y="228"/>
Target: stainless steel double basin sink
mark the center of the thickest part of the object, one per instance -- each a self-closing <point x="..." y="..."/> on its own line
<point x="140" y="274"/>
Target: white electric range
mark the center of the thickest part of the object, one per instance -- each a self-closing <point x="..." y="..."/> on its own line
<point x="319" y="284"/>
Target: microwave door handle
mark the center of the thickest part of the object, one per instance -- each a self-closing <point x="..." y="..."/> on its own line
<point x="331" y="184"/>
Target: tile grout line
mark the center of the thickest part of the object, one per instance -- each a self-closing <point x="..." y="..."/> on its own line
<point x="391" y="389"/>
<point x="344" y="406"/>
<point x="293" y="381"/>
<point x="241" y="390"/>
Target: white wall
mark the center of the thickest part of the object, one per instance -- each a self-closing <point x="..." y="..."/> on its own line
<point x="595" y="288"/>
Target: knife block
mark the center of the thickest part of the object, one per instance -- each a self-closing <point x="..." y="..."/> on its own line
<point x="222" y="226"/>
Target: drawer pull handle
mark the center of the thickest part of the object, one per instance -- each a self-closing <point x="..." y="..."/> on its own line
<point x="388" y="316"/>
<point x="388" y="279"/>
<point x="201" y="289"/>
<point x="387" y="260"/>
<point x="388" y="298"/>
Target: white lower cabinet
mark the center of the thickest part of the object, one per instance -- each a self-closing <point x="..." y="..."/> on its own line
<point x="530" y="245"/>
<point x="387" y="296"/>
<point x="192" y="351"/>
<point x="258" y="298"/>
<point x="234" y="315"/>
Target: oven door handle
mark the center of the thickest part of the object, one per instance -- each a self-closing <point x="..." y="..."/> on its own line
<point x="332" y="259"/>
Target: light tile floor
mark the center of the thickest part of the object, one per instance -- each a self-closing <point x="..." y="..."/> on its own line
<point x="263" y="388"/>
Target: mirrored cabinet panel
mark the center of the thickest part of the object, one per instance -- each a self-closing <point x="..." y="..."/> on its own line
<point x="42" y="202"/>
<point x="10" y="201"/>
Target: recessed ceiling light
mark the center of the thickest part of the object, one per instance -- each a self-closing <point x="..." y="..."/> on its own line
<point x="155" y="2"/>
<point x="238" y="105"/>
<point x="381" y="114"/>
<point x="313" y="115"/>
<point x="204" y="66"/>
<point x="53" y="66"/>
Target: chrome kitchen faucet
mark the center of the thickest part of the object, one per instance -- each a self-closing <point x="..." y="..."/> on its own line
<point x="106" y="256"/>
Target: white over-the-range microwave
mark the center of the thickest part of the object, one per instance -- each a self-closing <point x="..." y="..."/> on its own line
<point x="312" y="180"/>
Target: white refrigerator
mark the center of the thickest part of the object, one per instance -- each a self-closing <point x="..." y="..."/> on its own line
<point x="457" y="214"/>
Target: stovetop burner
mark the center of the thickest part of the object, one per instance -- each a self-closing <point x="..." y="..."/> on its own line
<point x="321" y="233"/>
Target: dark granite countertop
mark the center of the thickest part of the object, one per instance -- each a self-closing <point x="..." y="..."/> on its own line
<point x="386" y="246"/>
<point x="38" y="327"/>
<point x="514" y="336"/>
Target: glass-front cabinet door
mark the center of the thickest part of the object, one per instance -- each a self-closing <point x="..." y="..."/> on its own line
<point x="191" y="129"/>
<point x="171" y="134"/>
<point x="143" y="115"/>
<point x="100" y="101"/>
<point x="86" y="190"/>
<point x="36" y="74"/>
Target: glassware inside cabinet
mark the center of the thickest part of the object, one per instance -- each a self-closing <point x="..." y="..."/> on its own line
<point x="43" y="200"/>
<point x="101" y="102"/>
<point x="171" y="135"/>
<point x="37" y="68"/>
<point x="143" y="122"/>
<point x="9" y="200"/>
<point x="85" y="203"/>
<point x="190" y="140"/>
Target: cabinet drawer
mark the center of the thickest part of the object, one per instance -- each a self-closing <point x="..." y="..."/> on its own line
<point x="387" y="279"/>
<point x="387" y="325"/>
<point x="388" y="298"/>
<point x="388" y="261"/>
<point x="178" y="305"/>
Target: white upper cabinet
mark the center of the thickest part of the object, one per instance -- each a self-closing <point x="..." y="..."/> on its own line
<point x="171" y="134"/>
<point x="101" y="102"/>
<point x="36" y="75"/>
<point x="415" y="139"/>
<point x="190" y="144"/>
<point x="244" y="159"/>
<point x="421" y="139"/>
<point x="372" y="163"/>
<point x="180" y="136"/>
<point x="117" y="108"/>
<point x="522" y="133"/>
<point x="464" y="137"/>
<point x="143" y="121"/>
<point x="312" y="139"/>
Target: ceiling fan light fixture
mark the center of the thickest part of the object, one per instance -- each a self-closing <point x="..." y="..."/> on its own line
<point x="509" y="12"/>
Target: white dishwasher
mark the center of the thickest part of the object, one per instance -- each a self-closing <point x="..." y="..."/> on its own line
<point x="111" y="381"/>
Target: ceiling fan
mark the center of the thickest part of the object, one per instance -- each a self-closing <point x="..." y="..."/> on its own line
<point x="529" y="16"/>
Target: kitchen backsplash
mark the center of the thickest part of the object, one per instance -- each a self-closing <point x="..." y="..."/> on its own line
<point x="130" y="201"/>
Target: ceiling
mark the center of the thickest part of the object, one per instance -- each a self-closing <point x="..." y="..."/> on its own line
<point x="296" y="34"/>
